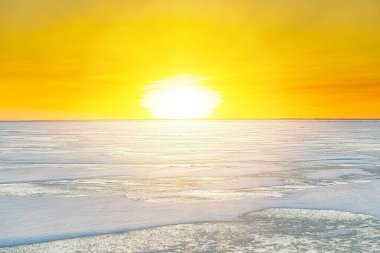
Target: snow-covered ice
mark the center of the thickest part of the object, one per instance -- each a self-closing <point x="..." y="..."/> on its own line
<point x="240" y="184"/>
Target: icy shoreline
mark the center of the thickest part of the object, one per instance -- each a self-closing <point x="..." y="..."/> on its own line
<point x="273" y="229"/>
<point x="89" y="216"/>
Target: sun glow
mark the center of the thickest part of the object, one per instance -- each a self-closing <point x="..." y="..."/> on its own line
<point x="180" y="97"/>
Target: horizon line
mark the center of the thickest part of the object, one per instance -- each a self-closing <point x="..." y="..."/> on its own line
<point x="226" y="119"/>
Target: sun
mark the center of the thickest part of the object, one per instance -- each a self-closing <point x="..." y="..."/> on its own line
<point x="180" y="97"/>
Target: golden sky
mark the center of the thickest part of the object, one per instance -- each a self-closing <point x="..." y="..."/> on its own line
<point x="91" y="59"/>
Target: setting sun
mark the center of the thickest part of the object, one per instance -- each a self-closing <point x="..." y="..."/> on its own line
<point x="180" y="97"/>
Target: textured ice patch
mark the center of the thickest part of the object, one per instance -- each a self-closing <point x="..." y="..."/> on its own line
<point x="335" y="173"/>
<point x="271" y="230"/>
<point x="154" y="189"/>
<point x="24" y="189"/>
<point x="225" y="194"/>
<point x="282" y="213"/>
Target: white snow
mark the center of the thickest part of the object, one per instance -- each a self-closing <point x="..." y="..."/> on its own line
<point x="71" y="179"/>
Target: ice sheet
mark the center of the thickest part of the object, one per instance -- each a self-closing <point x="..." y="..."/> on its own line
<point x="72" y="179"/>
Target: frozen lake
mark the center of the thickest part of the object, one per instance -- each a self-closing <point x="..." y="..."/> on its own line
<point x="124" y="186"/>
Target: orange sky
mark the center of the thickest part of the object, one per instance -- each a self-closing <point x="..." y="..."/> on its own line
<point x="90" y="59"/>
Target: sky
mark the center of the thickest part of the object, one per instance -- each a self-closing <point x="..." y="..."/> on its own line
<point x="91" y="59"/>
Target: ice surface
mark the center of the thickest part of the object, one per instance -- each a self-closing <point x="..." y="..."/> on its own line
<point x="72" y="179"/>
<point x="152" y="189"/>
<point x="271" y="230"/>
<point x="335" y="173"/>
